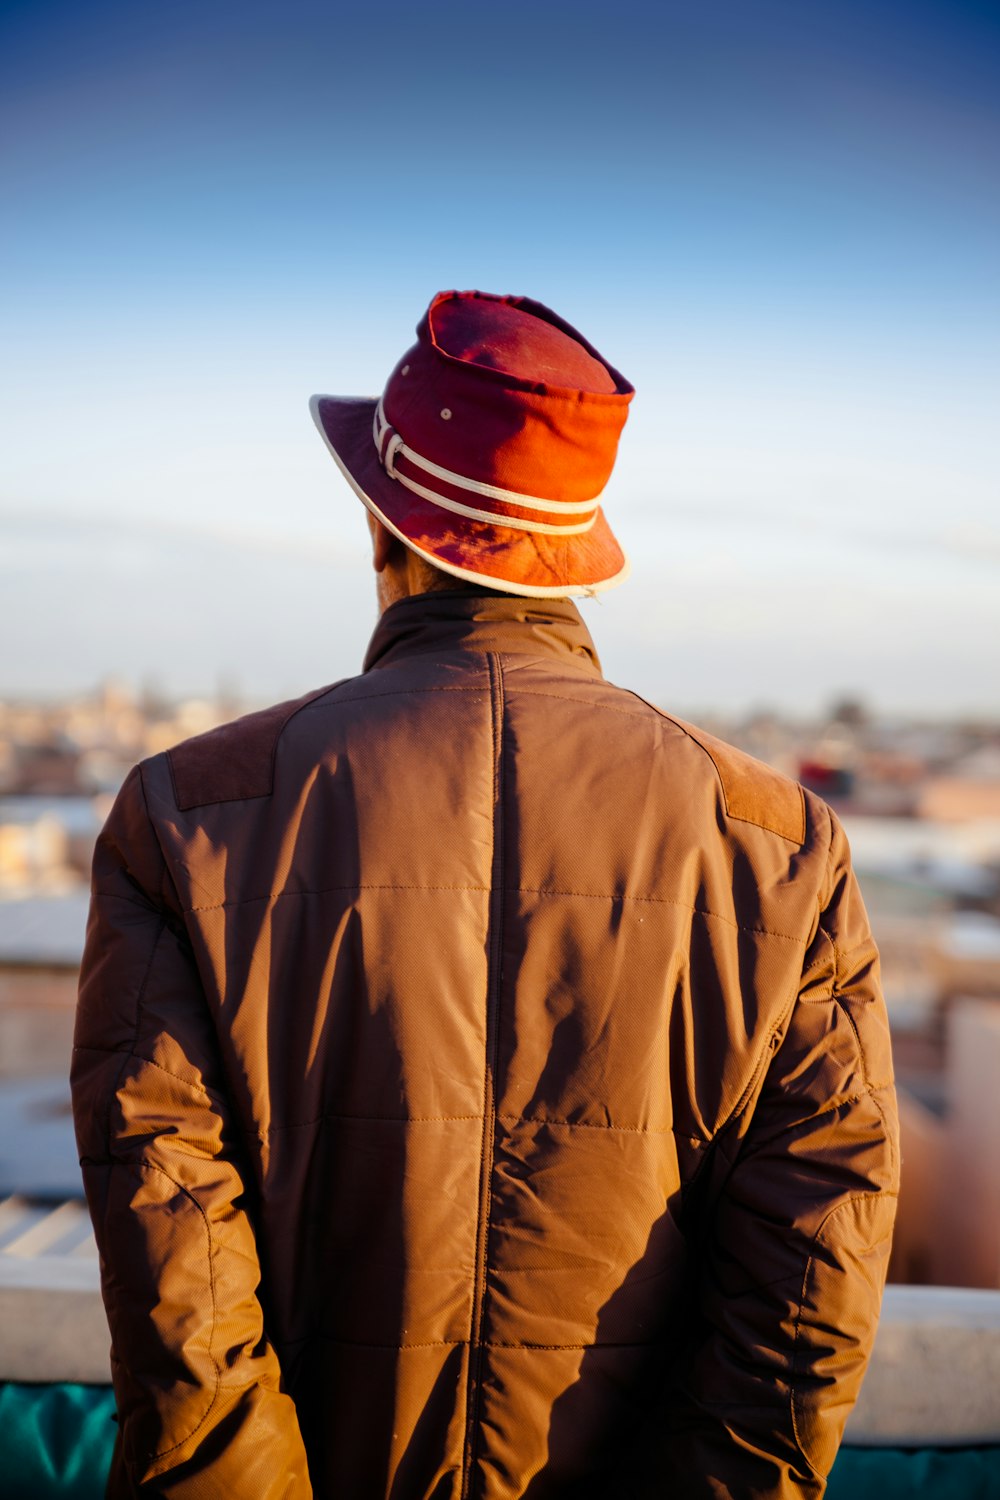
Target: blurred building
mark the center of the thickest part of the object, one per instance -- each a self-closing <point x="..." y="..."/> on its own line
<point x="948" y="1228"/>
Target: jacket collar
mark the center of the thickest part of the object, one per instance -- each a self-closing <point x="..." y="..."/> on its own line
<point x="471" y="620"/>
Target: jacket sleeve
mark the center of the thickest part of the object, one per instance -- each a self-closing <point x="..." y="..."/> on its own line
<point x="200" y="1408"/>
<point x="798" y="1247"/>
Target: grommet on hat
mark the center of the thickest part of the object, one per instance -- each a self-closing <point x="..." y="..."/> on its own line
<point x="489" y="449"/>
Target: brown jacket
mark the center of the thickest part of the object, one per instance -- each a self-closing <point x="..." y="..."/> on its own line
<point x="483" y="1090"/>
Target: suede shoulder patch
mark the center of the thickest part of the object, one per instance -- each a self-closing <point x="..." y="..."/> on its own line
<point x="234" y="761"/>
<point x="754" y="792"/>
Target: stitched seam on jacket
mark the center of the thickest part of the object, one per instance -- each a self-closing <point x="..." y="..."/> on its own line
<point x="873" y="1094"/>
<point x="174" y="905"/>
<point x="767" y="1054"/>
<point x="326" y="890"/>
<point x="795" y="1395"/>
<point x="527" y="890"/>
<point x="601" y="1125"/>
<point x="608" y="708"/>
<point x="294" y="708"/>
<point x="263" y="1136"/>
<point x="826" y="890"/>
<point x="845" y="1012"/>
<point x="735" y="817"/>
<point x="359" y="1119"/>
<point x="492" y="1039"/>
<point x="770" y="1137"/>
<point x="330" y="1338"/>
<point x="165" y="1452"/>
<point x="161" y="929"/>
<point x="844" y="953"/>
<point x="766" y="1058"/>
<point x="400" y="692"/>
<point x="149" y="1166"/>
<point x="699" y="911"/>
<point x="196" y="1088"/>
<point x="889" y="1134"/>
<point x="873" y="1087"/>
<point x="628" y="1344"/>
<point x="780" y="833"/>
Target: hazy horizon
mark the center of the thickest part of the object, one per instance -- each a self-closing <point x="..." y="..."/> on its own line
<point x="283" y="617"/>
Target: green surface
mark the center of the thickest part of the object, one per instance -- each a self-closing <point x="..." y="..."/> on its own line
<point x="57" y="1441"/>
<point x="915" y="1474"/>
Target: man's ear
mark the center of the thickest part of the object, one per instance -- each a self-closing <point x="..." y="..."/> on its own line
<point x="382" y="543"/>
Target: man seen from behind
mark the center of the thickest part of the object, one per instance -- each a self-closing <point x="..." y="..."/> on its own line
<point x="482" y="1081"/>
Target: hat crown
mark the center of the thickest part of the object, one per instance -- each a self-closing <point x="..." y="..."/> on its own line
<point x="497" y="333"/>
<point x="476" y="396"/>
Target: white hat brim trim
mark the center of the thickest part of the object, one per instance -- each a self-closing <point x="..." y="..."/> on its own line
<point x="469" y="575"/>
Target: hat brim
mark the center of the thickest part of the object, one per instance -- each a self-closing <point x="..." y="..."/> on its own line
<point x="534" y="564"/>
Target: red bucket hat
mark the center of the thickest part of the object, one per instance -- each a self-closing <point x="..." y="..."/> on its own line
<point x="489" y="448"/>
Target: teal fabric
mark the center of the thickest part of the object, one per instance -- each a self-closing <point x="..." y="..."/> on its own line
<point x="915" y="1474"/>
<point x="55" y="1441"/>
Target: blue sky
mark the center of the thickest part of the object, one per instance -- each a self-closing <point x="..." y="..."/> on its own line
<point x="780" y="220"/>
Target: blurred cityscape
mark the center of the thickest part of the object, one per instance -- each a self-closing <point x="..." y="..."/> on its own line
<point x="920" y="802"/>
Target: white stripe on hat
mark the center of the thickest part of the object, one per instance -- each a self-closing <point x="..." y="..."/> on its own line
<point x="390" y="450"/>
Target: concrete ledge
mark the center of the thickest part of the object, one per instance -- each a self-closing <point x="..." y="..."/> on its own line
<point x="934" y="1376"/>
<point x="933" y="1380"/>
<point x="52" y="1323"/>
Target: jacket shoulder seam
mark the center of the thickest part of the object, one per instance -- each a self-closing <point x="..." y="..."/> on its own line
<point x="736" y="772"/>
<point x="791" y="822"/>
<point x="204" y="770"/>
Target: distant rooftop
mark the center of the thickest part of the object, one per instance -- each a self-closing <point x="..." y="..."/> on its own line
<point x="38" y="1154"/>
<point x="78" y="815"/>
<point x="44" y="930"/>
